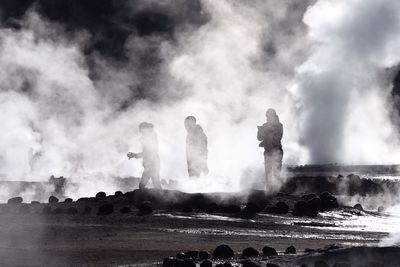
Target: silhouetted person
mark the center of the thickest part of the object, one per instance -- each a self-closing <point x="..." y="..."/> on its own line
<point x="270" y="134"/>
<point x="196" y="148"/>
<point x="151" y="159"/>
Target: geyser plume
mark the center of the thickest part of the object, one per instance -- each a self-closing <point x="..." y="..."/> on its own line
<point x="344" y="101"/>
<point x="78" y="113"/>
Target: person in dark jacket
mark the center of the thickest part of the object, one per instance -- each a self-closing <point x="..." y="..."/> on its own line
<point x="149" y="154"/>
<point x="270" y="134"/>
<point x="196" y="148"/>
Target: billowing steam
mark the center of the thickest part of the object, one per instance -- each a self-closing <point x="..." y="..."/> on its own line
<point x="70" y="104"/>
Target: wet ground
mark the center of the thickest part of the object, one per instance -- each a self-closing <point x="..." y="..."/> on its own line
<point x="132" y="240"/>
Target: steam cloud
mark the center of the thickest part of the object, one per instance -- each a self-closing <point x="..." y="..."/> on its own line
<point x="73" y="92"/>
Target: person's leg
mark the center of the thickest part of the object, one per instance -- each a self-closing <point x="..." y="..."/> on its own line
<point x="277" y="164"/>
<point x="155" y="178"/>
<point x="268" y="168"/>
<point x="145" y="179"/>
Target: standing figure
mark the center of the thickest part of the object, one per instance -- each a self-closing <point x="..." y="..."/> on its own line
<point x="270" y="134"/>
<point x="151" y="159"/>
<point x="196" y="148"/>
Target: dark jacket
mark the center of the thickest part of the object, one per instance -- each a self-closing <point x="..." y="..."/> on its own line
<point x="270" y="134"/>
<point x="196" y="145"/>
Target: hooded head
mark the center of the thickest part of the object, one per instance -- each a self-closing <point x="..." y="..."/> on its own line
<point x="272" y="116"/>
<point x="190" y="123"/>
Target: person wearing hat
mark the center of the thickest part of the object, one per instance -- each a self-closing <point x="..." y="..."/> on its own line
<point x="270" y="134"/>
<point x="150" y="156"/>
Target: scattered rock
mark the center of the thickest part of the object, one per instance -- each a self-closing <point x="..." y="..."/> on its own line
<point x="68" y="200"/>
<point x="188" y="262"/>
<point x="223" y="251"/>
<point x="15" y="200"/>
<point x="53" y="199"/>
<point x="320" y="264"/>
<point x="71" y="210"/>
<point x="313" y="207"/>
<point x="290" y="250"/>
<point x="309" y="197"/>
<point x="328" y="202"/>
<point x="105" y="209"/>
<point x="204" y="255"/>
<point x="192" y="254"/>
<point x="269" y="251"/>
<point x="250" y="252"/>
<point x="281" y="207"/>
<point x="125" y="210"/>
<point x="206" y="263"/>
<point x="358" y="207"/>
<point x="145" y="208"/>
<point x="169" y="262"/>
<point x="101" y="196"/>
<point x="118" y="194"/>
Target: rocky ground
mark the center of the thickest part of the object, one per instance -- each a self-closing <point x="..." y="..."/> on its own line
<point x="147" y="227"/>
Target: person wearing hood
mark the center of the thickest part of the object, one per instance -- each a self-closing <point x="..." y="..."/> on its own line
<point x="270" y="134"/>
<point x="196" y="148"/>
<point x="150" y="156"/>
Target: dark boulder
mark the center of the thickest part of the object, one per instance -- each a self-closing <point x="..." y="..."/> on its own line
<point x="381" y="209"/>
<point x="320" y="264"/>
<point x="68" y="200"/>
<point x="53" y="199"/>
<point x="300" y="208"/>
<point x="125" y="210"/>
<point x="87" y="199"/>
<point x="358" y="207"/>
<point x="101" y="196"/>
<point x="252" y="208"/>
<point x="328" y="202"/>
<point x="192" y="254"/>
<point x="258" y="197"/>
<point x="105" y="209"/>
<point x="206" y="263"/>
<point x="313" y="207"/>
<point x="180" y="256"/>
<point x="204" y="255"/>
<point x="169" y="262"/>
<point x="290" y="250"/>
<point x="145" y="208"/>
<point x="269" y="251"/>
<point x="118" y="194"/>
<point x="71" y="210"/>
<point x="188" y="262"/>
<point x="223" y="251"/>
<point x="250" y="252"/>
<point x="309" y="197"/>
<point x="15" y="200"/>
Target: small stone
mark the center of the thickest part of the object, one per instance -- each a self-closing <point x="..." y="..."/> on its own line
<point x="381" y="209"/>
<point x="223" y="251"/>
<point x="204" y="255"/>
<point x="15" y="200"/>
<point x="250" y="252"/>
<point x="269" y="251"/>
<point x="118" y="194"/>
<point x="181" y="256"/>
<point x="101" y="195"/>
<point x="53" y="199"/>
<point x="358" y="207"/>
<point x="290" y="250"/>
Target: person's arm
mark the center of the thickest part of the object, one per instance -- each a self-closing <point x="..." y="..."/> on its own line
<point x="134" y="155"/>
<point x="261" y="133"/>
